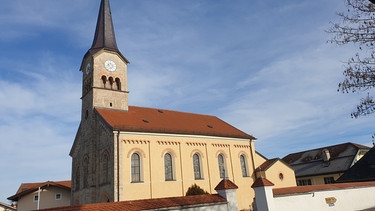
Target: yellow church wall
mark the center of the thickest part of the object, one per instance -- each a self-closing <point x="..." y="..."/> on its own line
<point x="152" y="148"/>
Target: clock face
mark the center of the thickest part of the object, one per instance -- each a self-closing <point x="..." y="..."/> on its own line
<point x="88" y="68"/>
<point x="110" y="65"/>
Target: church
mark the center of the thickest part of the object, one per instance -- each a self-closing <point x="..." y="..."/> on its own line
<point x="124" y="152"/>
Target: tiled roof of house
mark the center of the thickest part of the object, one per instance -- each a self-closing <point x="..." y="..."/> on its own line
<point x="147" y="204"/>
<point x="27" y="188"/>
<point x="362" y="170"/>
<point x="316" y="188"/>
<point x="151" y="120"/>
<point x="268" y="163"/>
<point x="7" y="207"/>
<point x="309" y="163"/>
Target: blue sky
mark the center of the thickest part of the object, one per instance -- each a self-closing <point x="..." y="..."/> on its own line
<point x="263" y="66"/>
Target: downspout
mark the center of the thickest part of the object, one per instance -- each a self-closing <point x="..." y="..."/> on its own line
<point x="231" y="163"/>
<point x="149" y="164"/>
<point x="252" y="160"/>
<point x="38" y="205"/>
<point x="208" y="168"/>
<point x="182" y="176"/>
<point x="118" y="165"/>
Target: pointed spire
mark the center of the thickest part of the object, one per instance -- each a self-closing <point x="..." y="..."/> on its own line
<point x="104" y="34"/>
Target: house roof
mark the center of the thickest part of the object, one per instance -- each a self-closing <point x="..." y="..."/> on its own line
<point x="152" y="120"/>
<point x="362" y="170"/>
<point x="316" y="188"/>
<point x="309" y="163"/>
<point x="147" y="204"/>
<point x="7" y="207"/>
<point x="268" y="163"/>
<point x="27" y="188"/>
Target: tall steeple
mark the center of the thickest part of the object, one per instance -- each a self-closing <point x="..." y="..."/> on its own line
<point x="105" y="33"/>
<point x="104" y="37"/>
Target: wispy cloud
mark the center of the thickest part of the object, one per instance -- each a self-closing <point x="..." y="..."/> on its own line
<point x="262" y="66"/>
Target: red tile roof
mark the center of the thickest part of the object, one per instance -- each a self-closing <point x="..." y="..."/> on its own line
<point x="311" y="188"/>
<point x="226" y="184"/>
<point x="261" y="182"/>
<point x="27" y="188"/>
<point x="264" y="166"/>
<point x="140" y="119"/>
<point x="146" y="204"/>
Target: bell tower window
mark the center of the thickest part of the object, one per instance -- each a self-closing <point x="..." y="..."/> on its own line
<point x="118" y="83"/>
<point x="104" y="81"/>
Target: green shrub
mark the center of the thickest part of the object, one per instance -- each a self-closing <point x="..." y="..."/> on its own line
<point x="195" y="190"/>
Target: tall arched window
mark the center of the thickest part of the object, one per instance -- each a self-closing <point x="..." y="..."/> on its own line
<point x="168" y="167"/>
<point x="118" y="83"/>
<point x="221" y="162"/>
<point x="136" y="167"/>
<point x="104" y="81"/>
<point x="77" y="179"/>
<point x="244" y="166"/>
<point x="104" y="168"/>
<point x="110" y="79"/>
<point x="197" y="166"/>
<point x="86" y="172"/>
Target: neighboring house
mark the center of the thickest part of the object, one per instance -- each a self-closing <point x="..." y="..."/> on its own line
<point x="277" y="171"/>
<point x="6" y="207"/>
<point x="324" y="165"/>
<point x="123" y="152"/>
<point x="32" y="196"/>
<point x="361" y="171"/>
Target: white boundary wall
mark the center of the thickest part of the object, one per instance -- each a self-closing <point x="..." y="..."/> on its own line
<point x="345" y="199"/>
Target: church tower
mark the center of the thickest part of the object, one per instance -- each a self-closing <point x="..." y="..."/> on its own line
<point x="104" y="69"/>
<point x="104" y="86"/>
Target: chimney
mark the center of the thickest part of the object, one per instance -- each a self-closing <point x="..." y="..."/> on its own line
<point x="326" y="155"/>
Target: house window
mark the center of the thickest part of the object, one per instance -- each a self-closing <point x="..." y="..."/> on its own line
<point x="197" y="166"/>
<point x="329" y="180"/>
<point x="244" y="166"/>
<point x="168" y="167"/>
<point x="136" y="167"/>
<point x="304" y="182"/>
<point x="58" y="196"/>
<point x="221" y="162"/>
<point x="36" y="198"/>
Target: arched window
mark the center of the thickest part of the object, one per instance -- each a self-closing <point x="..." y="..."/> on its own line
<point x="118" y="84"/>
<point x="168" y="167"/>
<point x="221" y="162"/>
<point x="86" y="172"/>
<point x="244" y="166"/>
<point x="104" y="169"/>
<point x="104" y="81"/>
<point x="77" y="179"/>
<point x="110" y="79"/>
<point x="197" y="166"/>
<point x="136" y="167"/>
